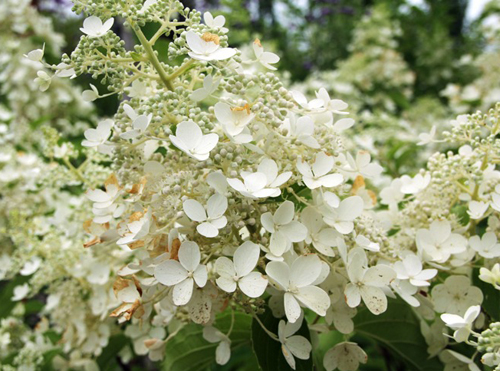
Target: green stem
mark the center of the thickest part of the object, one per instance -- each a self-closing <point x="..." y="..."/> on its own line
<point x="181" y="69"/>
<point x="153" y="58"/>
<point x="74" y="170"/>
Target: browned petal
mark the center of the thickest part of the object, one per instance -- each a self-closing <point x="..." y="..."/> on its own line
<point x="358" y="183"/>
<point x="174" y="253"/>
<point x="120" y="284"/>
<point x="94" y="241"/>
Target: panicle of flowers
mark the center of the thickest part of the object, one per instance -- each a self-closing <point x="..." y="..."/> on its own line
<point x="227" y="187"/>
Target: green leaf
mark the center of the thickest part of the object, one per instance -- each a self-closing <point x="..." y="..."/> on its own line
<point x="268" y="350"/>
<point x="6" y="293"/>
<point x="398" y="330"/>
<point x="108" y="356"/>
<point x="189" y="351"/>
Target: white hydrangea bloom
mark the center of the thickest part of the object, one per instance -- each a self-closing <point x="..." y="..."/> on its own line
<point x="209" y="86"/>
<point x="239" y="272"/>
<point x="455" y="295"/>
<point x="491" y="276"/>
<point x="415" y="185"/>
<point x="265" y="182"/>
<point x="301" y="129"/>
<point x="317" y="175"/>
<point x="93" y="26"/>
<point x="190" y="139"/>
<point x="368" y="284"/>
<point x="438" y="243"/>
<point x="264" y="58"/>
<point x="342" y="218"/>
<point x="207" y="47"/>
<point x="284" y="230"/>
<point x="233" y="121"/>
<point x="223" y="350"/>
<point x="98" y="137"/>
<point x="344" y="356"/>
<point x="183" y="274"/>
<point x="487" y="246"/>
<point x="477" y="209"/>
<point x="462" y="325"/>
<point x="216" y="23"/>
<point x="298" y="283"/>
<point x="293" y="345"/>
<point x="212" y="218"/>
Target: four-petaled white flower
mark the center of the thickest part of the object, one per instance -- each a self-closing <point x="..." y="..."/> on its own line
<point x="139" y="123"/>
<point x="367" y="284"/>
<point x="362" y="165"/>
<point x="43" y="80"/>
<point x="455" y="295"/>
<point x="301" y="129"/>
<point x="212" y="219"/>
<point x="487" y="246"/>
<point x="410" y="268"/>
<point x="437" y="243"/>
<point x="183" y="274"/>
<point x="477" y="209"/>
<point x="209" y="86"/>
<point x="223" y="350"/>
<point x="239" y="272"/>
<point x="461" y="325"/>
<point x="264" y="58"/>
<point x="330" y="107"/>
<point x="320" y="235"/>
<point x="190" y="139"/>
<point x="284" y="230"/>
<point x="293" y="345"/>
<point x="97" y="137"/>
<point x="265" y="182"/>
<point x="344" y="356"/>
<point x="426" y="138"/>
<point x="342" y="218"/>
<point x="216" y="23"/>
<point x="298" y="282"/>
<point x="93" y="26"/>
<point x="207" y="47"/>
<point x="415" y="185"/>
<point x="317" y="175"/>
<point x="233" y="121"/>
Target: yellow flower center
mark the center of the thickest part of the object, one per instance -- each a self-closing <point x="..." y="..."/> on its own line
<point x="207" y="36"/>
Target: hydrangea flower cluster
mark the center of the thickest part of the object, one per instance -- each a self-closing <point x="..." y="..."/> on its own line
<point x="214" y="190"/>
<point x="226" y="186"/>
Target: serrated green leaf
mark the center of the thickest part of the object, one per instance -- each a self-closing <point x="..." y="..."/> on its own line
<point x="189" y="351"/>
<point x="268" y="350"/>
<point x="398" y="330"/>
